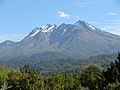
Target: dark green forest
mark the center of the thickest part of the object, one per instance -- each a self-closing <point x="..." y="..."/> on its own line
<point x="93" y="77"/>
<point x="48" y="67"/>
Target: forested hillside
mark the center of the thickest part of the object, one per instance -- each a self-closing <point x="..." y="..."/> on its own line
<point x="93" y="77"/>
<point x="57" y="65"/>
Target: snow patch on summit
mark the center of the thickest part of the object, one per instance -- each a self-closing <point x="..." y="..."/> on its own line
<point x="44" y="29"/>
<point x="84" y="24"/>
<point x="91" y="27"/>
<point x="63" y="31"/>
<point x="37" y="31"/>
<point x="48" y="28"/>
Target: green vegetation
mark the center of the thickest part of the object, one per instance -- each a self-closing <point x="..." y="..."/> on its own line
<point x="92" y="77"/>
<point x="52" y="66"/>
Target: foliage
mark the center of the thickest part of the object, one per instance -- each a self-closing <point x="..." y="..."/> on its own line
<point x="48" y="67"/>
<point x="113" y="86"/>
<point x="112" y="74"/>
<point x="3" y="77"/>
<point x="92" y="77"/>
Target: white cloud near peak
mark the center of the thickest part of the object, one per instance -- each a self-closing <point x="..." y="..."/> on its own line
<point x="65" y="15"/>
<point x="62" y="14"/>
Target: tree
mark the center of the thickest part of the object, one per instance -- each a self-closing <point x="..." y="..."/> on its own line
<point x="112" y="74"/>
<point x="91" y="77"/>
<point x="113" y="86"/>
<point x="13" y="80"/>
<point x="31" y="79"/>
<point x="3" y="77"/>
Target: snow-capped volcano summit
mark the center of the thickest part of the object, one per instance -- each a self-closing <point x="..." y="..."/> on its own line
<point x="48" y="28"/>
<point x="84" y="25"/>
<point x="80" y="22"/>
<point x="44" y="29"/>
<point x="69" y="40"/>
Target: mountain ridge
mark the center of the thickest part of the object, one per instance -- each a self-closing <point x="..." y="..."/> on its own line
<point x="74" y="40"/>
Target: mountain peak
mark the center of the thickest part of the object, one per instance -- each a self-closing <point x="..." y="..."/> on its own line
<point x="34" y="32"/>
<point x="7" y="43"/>
<point x="73" y="40"/>
<point x="44" y="29"/>
<point x="84" y="24"/>
<point x="48" y="28"/>
<point x="80" y="22"/>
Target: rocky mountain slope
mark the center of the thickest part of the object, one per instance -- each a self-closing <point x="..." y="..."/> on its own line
<point x="79" y="40"/>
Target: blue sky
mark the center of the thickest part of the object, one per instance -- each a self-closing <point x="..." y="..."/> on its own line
<point x="19" y="17"/>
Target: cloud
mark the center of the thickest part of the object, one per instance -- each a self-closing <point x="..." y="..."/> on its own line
<point x="113" y="27"/>
<point x="62" y="14"/>
<point x="104" y="16"/>
<point x="89" y="1"/>
<point x="13" y="37"/>
<point x="83" y="3"/>
<point x="112" y="14"/>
